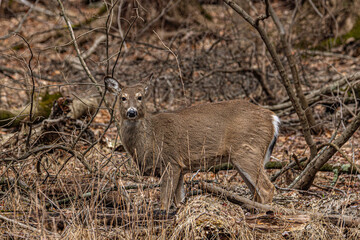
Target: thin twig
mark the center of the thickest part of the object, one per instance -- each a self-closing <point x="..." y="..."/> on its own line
<point x="121" y="46"/>
<point x="315" y="8"/>
<point x="177" y="61"/>
<point x="73" y="38"/>
<point x="297" y="161"/>
<point x="38" y="9"/>
<point x="119" y="24"/>
<point x="264" y="16"/>
<point x="107" y="37"/>
<point x="27" y="144"/>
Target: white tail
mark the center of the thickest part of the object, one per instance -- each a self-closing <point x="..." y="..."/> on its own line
<point x="171" y="144"/>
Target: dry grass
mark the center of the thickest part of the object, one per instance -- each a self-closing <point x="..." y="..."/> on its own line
<point x="103" y="215"/>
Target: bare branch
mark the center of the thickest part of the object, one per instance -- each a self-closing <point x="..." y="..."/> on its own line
<point x="285" y="42"/>
<point x="285" y="80"/>
<point x="107" y="28"/>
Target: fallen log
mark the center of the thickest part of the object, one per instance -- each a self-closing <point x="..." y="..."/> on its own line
<point x="336" y="219"/>
<point x="42" y="110"/>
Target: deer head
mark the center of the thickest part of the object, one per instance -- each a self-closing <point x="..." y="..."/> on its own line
<point x="132" y="98"/>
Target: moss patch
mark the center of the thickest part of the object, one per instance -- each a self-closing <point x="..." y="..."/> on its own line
<point x="46" y="102"/>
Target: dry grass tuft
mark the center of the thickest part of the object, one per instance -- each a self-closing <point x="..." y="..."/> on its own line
<point x="209" y="218"/>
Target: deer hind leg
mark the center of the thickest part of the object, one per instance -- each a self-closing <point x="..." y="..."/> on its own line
<point x="250" y="167"/>
<point x="180" y="191"/>
<point x="169" y="183"/>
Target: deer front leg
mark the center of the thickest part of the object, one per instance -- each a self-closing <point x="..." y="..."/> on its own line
<point x="169" y="183"/>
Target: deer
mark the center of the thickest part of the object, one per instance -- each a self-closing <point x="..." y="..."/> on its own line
<point x="171" y="144"/>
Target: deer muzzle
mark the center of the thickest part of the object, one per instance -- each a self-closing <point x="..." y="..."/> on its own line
<point x="131" y="113"/>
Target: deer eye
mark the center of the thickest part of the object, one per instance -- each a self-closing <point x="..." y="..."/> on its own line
<point x="123" y="99"/>
<point x="139" y="98"/>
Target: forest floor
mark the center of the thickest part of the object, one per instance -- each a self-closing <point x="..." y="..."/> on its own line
<point x="63" y="200"/>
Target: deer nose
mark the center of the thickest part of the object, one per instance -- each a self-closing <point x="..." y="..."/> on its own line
<point x="131" y="113"/>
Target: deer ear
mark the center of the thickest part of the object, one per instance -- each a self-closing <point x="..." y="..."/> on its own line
<point x="147" y="82"/>
<point x="112" y="85"/>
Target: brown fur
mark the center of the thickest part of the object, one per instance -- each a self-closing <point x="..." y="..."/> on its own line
<point x="171" y="144"/>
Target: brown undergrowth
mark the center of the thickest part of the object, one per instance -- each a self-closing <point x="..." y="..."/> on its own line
<point x="51" y="193"/>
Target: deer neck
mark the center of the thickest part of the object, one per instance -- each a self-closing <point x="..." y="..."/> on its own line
<point x="132" y="133"/>
<point x="135" y="136"/>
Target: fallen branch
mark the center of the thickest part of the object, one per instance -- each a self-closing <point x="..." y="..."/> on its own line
<point x="75" y="62"/>
<point x="284" y="166"/>
<point x="326" y="54"/>
<point x="341" y="220"/>
<point x="315" y="95"/>
<point x="350" y="168"/>
<point x="232" y="197"/>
